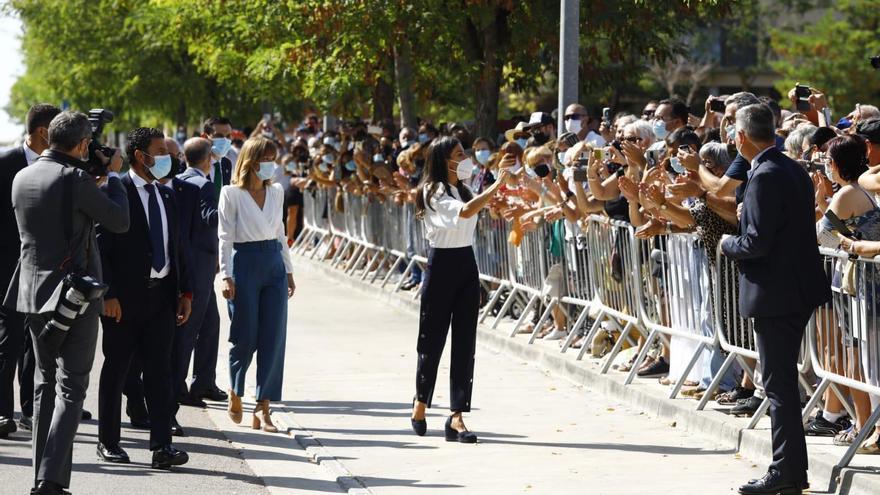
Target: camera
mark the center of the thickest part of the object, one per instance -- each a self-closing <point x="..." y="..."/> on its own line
<point x="94" y="166"/>
<point x="78" y="292"/>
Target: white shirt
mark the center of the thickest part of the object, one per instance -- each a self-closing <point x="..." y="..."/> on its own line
<point x="29" y="154"/>
<point x="242" y="220"/>
<point x="139" y="184"/>
<point x="759" y="155"/>
<point x="444" y="228"/>
<point x="595" y="139"/>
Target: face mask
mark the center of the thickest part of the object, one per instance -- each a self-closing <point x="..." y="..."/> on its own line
<point x="220" y="146"/>
<point x="516" y="167"/>
<point x="482" y="156"/>
<point x="676" y="165"/>
<point x="731" y="132"/>
<point x="829" y="172"/>
<point x="328" y="159"/>
<point x="573" y="125"/>
<point x="266" y="170"/>
<point x="522" y="142"/>
<point x="540" y="137"/>
<point x="465" y="169"/>
<point x="560" y="155"/>
<point x="161" y="166"/>
<point x="291" y="167"/>
<point x="659" y="128"/>
<point x="351" y="166"/>
<point x="423" y="138"/>
<point x="378" y="158"/>
<point x="542" y="170"/>
<point x="530" y="172"/>
<point x="405" y="144"/>
<point x="176" y="165"/>
<point x="323" y="167"/>
<point x="181" y="137"/>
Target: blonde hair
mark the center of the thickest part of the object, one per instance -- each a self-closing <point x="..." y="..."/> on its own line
<point x="249" y="158"/>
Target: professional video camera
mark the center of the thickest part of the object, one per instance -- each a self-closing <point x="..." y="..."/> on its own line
<point x="98" y="117"/>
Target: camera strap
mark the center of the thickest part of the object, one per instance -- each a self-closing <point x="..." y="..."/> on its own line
<point x="67" y="178"/>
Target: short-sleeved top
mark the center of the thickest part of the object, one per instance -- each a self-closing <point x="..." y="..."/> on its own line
<point x="444" y="228"/>
<point x="739" y="170"/>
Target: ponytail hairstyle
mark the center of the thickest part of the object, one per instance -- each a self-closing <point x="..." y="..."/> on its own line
<point x="436" y="174"/>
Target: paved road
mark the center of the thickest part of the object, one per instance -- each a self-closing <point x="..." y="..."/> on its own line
<point x="349" y="380"/>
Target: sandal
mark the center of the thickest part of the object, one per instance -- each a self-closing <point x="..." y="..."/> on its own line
<point x="871" y="445"/>
<point x="846" y="437"/>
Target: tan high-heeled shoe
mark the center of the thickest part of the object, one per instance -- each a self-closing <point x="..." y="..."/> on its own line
<point x="234" y="407"/>
<point x="261" y="415"/>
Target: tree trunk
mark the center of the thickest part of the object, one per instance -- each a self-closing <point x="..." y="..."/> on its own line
<point x="404" y="81"/>
<point x="383" y="99"/>
<point x="486" y="43"/>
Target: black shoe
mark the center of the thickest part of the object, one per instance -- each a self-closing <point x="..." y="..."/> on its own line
<point x="86" y="416"/>
<point x="26" y="423"/>
<point x="213" y="394"/>
<point x="409" y="285"/>
<point x="168" y="456"/>
<point x="771" y="484"/>
<point x="49" y="488"/>
<point x="731" y="398"/>
<point x="420" y="426"/>
<point x="821" y="427"/>
<point x="453" y="435"/>
<point x="656" y="369"/>
<point x="137" y="416"/>
<point x="191" y="401"/>
<point x="176" y="429"/>
<point x="7" y="426"/>
<point x="746" y="407"/>
<point x="113" y="453"/>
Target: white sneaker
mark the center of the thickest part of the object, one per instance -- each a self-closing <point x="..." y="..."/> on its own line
<point x="556" y="334"/>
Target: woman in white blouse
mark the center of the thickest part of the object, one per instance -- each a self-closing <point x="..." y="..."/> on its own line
<point x="257" y="276"/>
<point x="451" y="286"/>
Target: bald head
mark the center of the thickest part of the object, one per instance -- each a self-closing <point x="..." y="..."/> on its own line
<point x="576" y="108"/>
<point x="198" y="153"/>
<point x="173" y="147"/>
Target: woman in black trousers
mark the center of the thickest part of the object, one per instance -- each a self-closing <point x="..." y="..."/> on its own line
<point x="451" y="286"/>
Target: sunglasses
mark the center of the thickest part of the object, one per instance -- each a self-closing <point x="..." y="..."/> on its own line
<point x="648" y="113"/>
<point x="632" y="139"/>
<point x="573" y="116"/>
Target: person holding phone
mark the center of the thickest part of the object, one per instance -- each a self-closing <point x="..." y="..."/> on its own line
<point x="451" y="286"/>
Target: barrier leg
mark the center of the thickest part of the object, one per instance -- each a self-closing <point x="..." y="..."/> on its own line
<point x="762" y="410"/>
<point x="575" y="328"/>
<point x="373" y="261"/>
<point x="492" y="302"/>
<point x="505" y="308"/>
<point x="340" y="252"/>
<point x="640" y="358"/>
<point x="687" y="370"/>
<point x="306" y="237"/>
<point x="616" y="349"/>
<point x="543" y="318"/>
<point x="588" y="339"/>
<point x="867" y="430"/>
<point x="391" y="271"/>
<point x="523" y="315"/>
<point x="716" y="381"/>
<point x="318" y="247"/>
<point x="814" y="400"/>
<point x="405" y="274"/>
<point x="350" y="269"/>
<point x="847" y="405"/>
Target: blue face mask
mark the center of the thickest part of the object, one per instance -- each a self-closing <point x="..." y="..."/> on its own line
<point x="659" y="128"/>
<point x="561" y="157"/>
<point x="378" y="158"/>
<point x="522" y="142"/>
<point x="267" y="169"/>
<point x="731" y="133"/>
<point x="423" y="138"/>
<point x="482" y="156"/>
<point x="328" y="159"/>
<point x="351" y="166"/>
<point x="323" y="167"/>
<point x="220" y="146"/>
<point x="291" y="167"/>
<point x="676" y="165"/>
<point x="161" y="166"/>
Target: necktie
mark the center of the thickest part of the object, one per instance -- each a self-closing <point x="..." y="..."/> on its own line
<point x="157" y="238"/>
<point x="218" y="178"/>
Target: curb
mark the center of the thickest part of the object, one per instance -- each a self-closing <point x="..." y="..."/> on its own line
<point x="728" y="431"/>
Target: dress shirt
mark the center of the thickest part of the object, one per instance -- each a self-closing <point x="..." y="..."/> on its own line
<point x="242" y="220"/>
<point x="29" y="154"/>
<point x="443" y="225"/>
<point x="759" y="155"/>
<point x="139" y="184"/>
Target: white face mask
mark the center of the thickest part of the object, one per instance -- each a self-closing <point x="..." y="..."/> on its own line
<point x="829" y="172"/>
<point x="465" y="169"/>
<point x="572" y="125"/>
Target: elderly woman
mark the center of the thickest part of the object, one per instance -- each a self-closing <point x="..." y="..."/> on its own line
<point x="794" y="143"/>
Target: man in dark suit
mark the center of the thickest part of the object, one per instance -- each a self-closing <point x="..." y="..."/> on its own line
<point x="16" y="349"/>
<point x="149" y="296"/>
<point x="782" y="281"/>
<point x="203" y="326"/>
<point x="56" y="207"/>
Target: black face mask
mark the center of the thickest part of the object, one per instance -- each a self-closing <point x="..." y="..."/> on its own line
<point x="177" y="166"/>
<point x="540" y="138"/>
<point x="542" y="170"/>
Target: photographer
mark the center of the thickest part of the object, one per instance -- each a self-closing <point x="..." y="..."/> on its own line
<point x="56" y="207"/>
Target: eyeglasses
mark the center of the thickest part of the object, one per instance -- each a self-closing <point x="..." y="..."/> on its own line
<point x="648" y="113"/>
<point x="632" y="139"/>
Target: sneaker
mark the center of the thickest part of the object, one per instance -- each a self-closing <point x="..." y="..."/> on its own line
<point x="556" y="334"/>
<point x="732" y="397"/>
<point x="657" y="369"/>
<point x="846" y="437"/>
<point x="746" y="407"/>
<point x="821" y="427"/>
<point x="871" y="445"/>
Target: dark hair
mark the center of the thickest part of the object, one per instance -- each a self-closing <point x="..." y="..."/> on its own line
<point x="436" y="174"/>
<point x="680" y="109"/>
<point x="40" y="115"/>
<point x="489" y="143"/>
<point x="429" y="128"/>
<point x="68" y="129"/>
<point x="822" y="136"/>
<point x="774" y="107"/>
<point x="849" y="153"/>
<point x="684" y="135"/>
<point x="140" y="139"/>
<point x="208" y="127"/>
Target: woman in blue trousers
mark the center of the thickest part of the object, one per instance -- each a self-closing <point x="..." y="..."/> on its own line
<point x="257" y="275"/>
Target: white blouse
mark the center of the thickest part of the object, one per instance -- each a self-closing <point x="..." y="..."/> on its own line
<point x="444" y="228"/>
<point x="242" y="220"/>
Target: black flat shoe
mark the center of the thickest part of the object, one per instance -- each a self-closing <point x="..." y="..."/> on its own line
<point x="213" y="394"/>
<point x="7" y="426"/>
<point x="176" y="429"/>
<point x="49" y="488"/>
<point x="168" y="456"/>
<point x="453" y="435"/>
<point x="26" y="423"/>
<point x="420" y="426"/>
<point x="112" y="453"/>
<point x="85" y="416"/>
<point x="192" y="401"/>
<point x="771" y="484"/>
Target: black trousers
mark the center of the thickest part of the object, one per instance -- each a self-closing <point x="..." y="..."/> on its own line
<point x="148" y="332"/>
<point x="450" y="293"/>
<point x="779" y="343"/>
<point x="16" y="348"/>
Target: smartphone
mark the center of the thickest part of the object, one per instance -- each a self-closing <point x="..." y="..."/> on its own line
<point x="717" y="104"/>
<point x="597" y="154"/>
<point x="685" y="148"/>
<point x="802" y="93"/>
<point x="614" y="168"/>
<point x="579" y="174"/>
<point x="606" y="115"/>
<point x="583" y="160"/>
<point x="617" y="145"/>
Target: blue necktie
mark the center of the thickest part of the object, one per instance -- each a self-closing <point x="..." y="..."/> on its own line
<point x="157" y="238"/>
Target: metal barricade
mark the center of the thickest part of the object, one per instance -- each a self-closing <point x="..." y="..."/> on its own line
<point x="493" y="258"/>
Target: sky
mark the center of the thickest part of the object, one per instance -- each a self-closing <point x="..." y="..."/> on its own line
<point x="11" y="67"/>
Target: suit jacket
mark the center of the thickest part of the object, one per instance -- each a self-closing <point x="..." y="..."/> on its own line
<point x="187" y="196"/>
<point x="226" y="168"/>
<point x="127" y="257"/>
<point x="39" y="212"/>
<point x="203" y="236"/>
<point x="781" y="271"/>
<point x="12" y="161"/>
